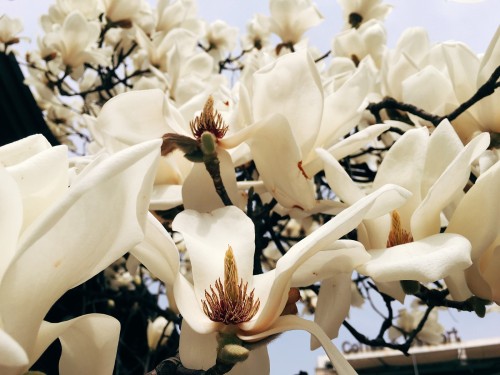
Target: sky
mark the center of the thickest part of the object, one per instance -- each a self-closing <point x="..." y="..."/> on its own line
<point x="473" y="24"/>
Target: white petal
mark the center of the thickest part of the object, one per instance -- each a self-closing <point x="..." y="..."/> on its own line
<point x="189" y="306"/>
<point x="158" y="252"/>
<point x="339" y="180"/>
<point x="279" y="162"/>
<point x="42" y="180"/>
<point x="444" y="146"/>
<point x="100" y="219"/>
<point x="292" y="322"/>
<point x="207" y="238"/>
<point x="403" y="165"/>
<point x="10" y="218"/>
<point x="197" y="351"/>
<point x="16" y="152"/>
<point x="426" y="217"/>
<point x="334" y="302"/>
<point x="299" y="100"/>
<point x="12" y="355"/>
<point x="320" y="239"/>
<point x="89" y="344"/>
<point x="427" y="260"/>
<point x="340" y="257"/>
<point x="198" y="190"/>
<point x="478" y="213"/>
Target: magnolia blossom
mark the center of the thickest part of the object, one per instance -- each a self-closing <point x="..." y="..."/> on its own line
<point x="285" y="115"/>
<point x="409" y="245"/>
<point x="440" y="78"/>
<point x="136" y="116"/>
<point x="221" y="248"/>
<point x="290" y="19"/>
<point x="55" y="238"/>
<point x="9" y="28"/>
<point x="75" y="40"/>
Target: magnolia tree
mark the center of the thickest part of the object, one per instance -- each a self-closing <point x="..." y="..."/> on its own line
<point x="217" y="180"/>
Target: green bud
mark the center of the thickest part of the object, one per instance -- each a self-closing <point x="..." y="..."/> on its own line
<point x="208" y="143"/>
<point x="233" y="353"/>
<point x="410" y="287"/>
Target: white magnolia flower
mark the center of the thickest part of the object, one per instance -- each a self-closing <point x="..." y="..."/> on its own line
<point x="137" y="116"/>
<point x="55" y="238"/>
<point x="9" y="28"/>
<point x="440" y="78"/>
<point x="75" y="42"/>
<point x="221" y="247"/>
<point x="410" y="246"/>
<point x="290" y="19"/>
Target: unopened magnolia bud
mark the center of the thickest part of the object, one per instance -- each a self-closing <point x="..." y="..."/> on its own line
<point x="233" y="353"/>
<point x="410" y="287"/>
<point x="208" y="143"/>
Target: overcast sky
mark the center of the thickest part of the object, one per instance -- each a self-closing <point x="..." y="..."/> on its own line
<point x="473" y="24"/>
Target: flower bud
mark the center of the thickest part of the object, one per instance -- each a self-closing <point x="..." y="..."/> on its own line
<point x="233" y="353"/>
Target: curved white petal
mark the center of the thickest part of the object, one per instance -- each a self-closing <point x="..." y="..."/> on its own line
<point x="292" y="322"/>
<point x="403" y="165"/>
<point x="207" y="238"/>
<point x="342" y="108"/>
<point x="279" y="162"/>
<point x="426" y="217"/>
<point x="478" y="213"/>
<point x="189" y="306"/>
<point x="197" y="351"/>
<point x="427" y="260"/>
<point x="165" y="197"/>
<point x="18" y="151"/>
<point x="444" y="146"/>
<point x="11" y="216"/>
<point x="291" y="86"/>
<point x="158" y="252"/>
<point x="12" y="355"/>
<point x="134" y="117"/>
<point x="89" y="344"/>
<point x="42" y="180"/>
<point x="99" y="219"/>
<point x="339" y="180"/>
<point x="321" y="238"/>
<point x="340" y="257"/>
<point x="334" y="302"/>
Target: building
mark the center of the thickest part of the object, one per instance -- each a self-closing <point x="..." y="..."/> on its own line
<point x="456" y="357"/>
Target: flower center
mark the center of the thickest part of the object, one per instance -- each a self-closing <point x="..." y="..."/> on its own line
<point x="398" y="235"/>
<point x="230" y="303"/>
<point x="208" y="121"/>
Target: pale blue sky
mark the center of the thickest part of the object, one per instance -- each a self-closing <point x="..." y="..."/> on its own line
<point x="473" y="24"/>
